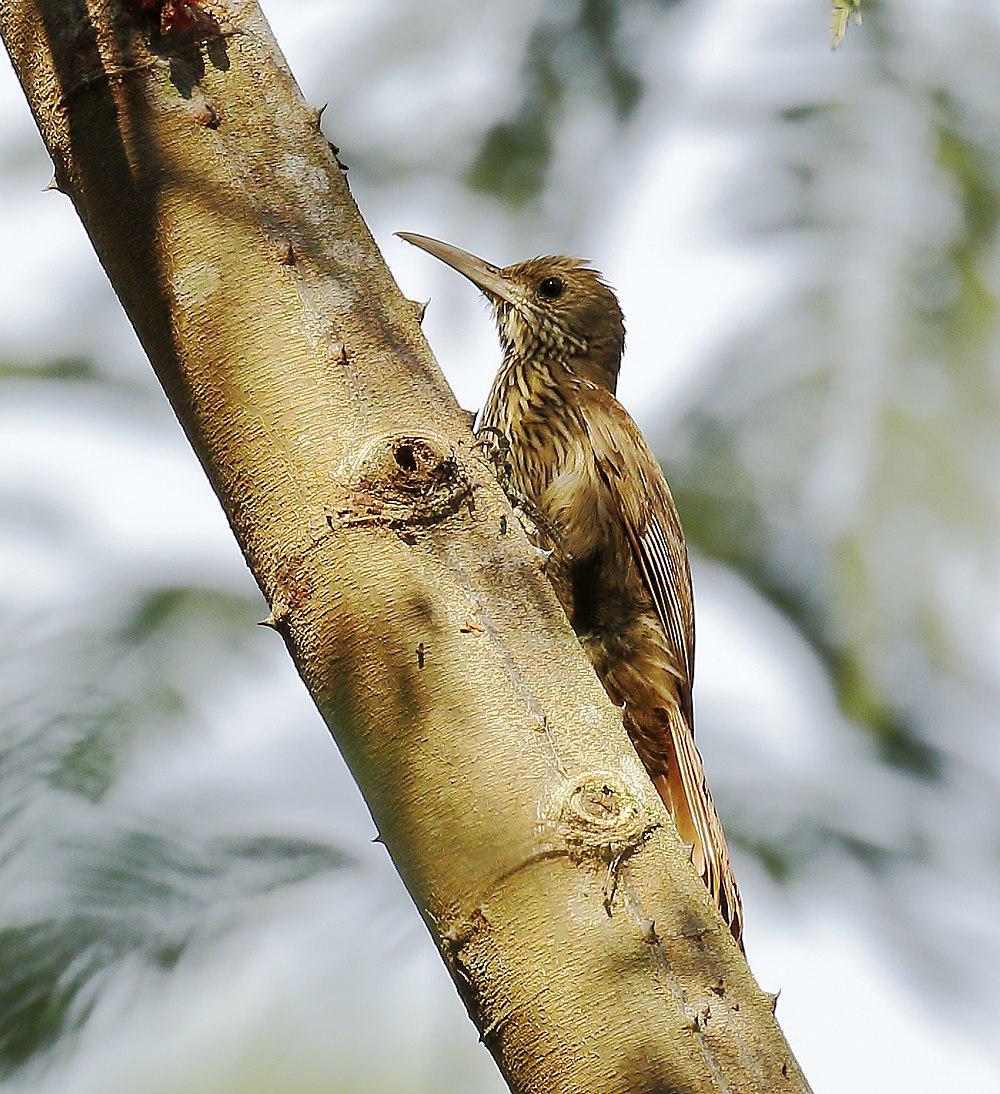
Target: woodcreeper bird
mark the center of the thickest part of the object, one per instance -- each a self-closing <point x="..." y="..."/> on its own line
<point x="580" y="469"/>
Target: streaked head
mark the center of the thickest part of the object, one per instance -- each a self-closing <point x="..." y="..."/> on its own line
<point x="549" y="308"/>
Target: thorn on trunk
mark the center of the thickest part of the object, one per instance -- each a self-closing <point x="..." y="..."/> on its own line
<point x="773" y="997"/>
<point x="422" y="650"/>
<point x="317" y="116"/>
<point x="289" y="256"/>
<point x="277" y="618"/>
<point x="719" y="987"/>
<point x="59" y="181"/>
<point x="60" y="177"/>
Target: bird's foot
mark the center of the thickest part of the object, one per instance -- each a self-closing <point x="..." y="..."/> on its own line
<point x="544" y="535"/>
<point x="495" y="447"/>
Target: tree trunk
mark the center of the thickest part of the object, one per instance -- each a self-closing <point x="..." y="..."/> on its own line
<point x="499" y="775"/>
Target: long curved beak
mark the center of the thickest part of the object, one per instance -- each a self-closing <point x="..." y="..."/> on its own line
<point x="482" y="274"/>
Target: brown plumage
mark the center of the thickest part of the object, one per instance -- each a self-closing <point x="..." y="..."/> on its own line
<point x="586" y="476"/>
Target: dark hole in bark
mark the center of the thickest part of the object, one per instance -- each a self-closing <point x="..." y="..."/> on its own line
<point x="406" y="457"/>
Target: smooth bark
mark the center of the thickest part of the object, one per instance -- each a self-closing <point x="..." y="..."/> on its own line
<point x="584" y="945"/>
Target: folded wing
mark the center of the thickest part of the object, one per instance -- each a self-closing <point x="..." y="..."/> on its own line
<point x="664" y="736"/>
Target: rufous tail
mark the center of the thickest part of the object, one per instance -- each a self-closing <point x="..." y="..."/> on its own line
<point x="675" y="767"/>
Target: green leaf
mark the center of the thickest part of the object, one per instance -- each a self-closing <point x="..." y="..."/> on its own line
<point x="840" y="17"/>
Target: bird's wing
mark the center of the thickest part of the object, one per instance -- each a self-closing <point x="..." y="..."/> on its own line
<point x="646" y="507"/>
<point x="664" y="737"/>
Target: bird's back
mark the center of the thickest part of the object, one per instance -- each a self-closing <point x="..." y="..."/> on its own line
<point x="619" y="567"/>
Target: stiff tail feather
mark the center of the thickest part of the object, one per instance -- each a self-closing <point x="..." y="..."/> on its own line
<point x="678" y="774"/>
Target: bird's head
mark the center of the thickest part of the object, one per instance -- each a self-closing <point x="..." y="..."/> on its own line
<point x="548" y="308"/>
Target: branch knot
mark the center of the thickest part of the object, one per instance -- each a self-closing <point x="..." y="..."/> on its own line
<point x="596" y="815"/>
<point x="403" y="481"/>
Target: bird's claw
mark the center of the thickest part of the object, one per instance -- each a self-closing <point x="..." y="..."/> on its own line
<point x="494" y="444"/>
<point x="496" y="447"/>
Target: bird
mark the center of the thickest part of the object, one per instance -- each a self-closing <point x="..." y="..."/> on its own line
<point x="598" y="503"/>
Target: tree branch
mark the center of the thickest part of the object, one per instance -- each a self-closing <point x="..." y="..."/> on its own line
<point x="497" y="771"/>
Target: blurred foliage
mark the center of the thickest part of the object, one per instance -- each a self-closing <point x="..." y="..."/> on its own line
<point x="577" y="49"/>
<point x="726" y="517"/>
<point x="61" y="368"/>
<point x="82" y="690"/>
<point x="132" y="897"/>
<point x="841" y="451"/>
<point x="82" y="699"/>
<point x="88" y="885"/>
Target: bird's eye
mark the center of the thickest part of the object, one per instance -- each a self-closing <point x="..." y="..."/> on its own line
<point x="550" y="288"/>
